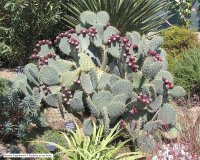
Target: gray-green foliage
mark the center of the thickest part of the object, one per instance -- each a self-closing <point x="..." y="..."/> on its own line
<point x="16" y="115"/>
<point x="113" y="76"/>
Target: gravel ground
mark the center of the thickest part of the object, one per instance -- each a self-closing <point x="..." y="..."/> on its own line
<point x="175" y="152"/>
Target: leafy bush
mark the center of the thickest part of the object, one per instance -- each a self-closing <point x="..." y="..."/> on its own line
<point x="98" y="146"/>
<point x="104" y="72"/>
<point x="176" y="41"/>
<point x="126" y="15"/>
<point x="187" y="70"/>
<point x="23" y="22"/>
<point x="4" y="86"/>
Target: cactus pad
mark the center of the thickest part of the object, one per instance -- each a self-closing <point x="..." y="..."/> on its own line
<point x="52" y="100"/>
<point x="167" y="114"/>
<point x="177" y="92"/>
<point x="49" y="76"/>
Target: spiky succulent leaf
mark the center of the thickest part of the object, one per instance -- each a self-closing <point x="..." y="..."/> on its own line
<point x="29" y="106"/>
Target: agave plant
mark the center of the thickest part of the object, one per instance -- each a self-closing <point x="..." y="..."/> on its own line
<point x="126" y="15"/>
<point x="96" y="146"/>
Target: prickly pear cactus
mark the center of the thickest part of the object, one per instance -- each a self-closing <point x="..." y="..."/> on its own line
<point x="114" y="76"/>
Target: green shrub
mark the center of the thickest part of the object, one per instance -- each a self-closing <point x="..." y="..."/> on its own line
<point x="187" y="70"/>
<point x="22" y="22"/>
<point x="176" y="41"/>
<point x="98" y="146"/>
<point x="4" y="86"/>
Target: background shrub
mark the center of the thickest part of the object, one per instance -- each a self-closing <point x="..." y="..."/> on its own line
<point x="126" y="15"/>
<point x="4" y="86"/>
<point x="23" y="22"/>
<point x="176" y="41"/>
<point x="187" y="70"/>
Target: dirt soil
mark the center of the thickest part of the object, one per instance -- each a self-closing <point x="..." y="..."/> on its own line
<point x="7" y="74"/>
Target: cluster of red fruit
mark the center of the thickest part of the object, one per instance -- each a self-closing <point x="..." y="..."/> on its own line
<point x="133" y="111"/>
<point x="126" y="44"/>
<point x="65" y="34"/>
<point x="74" y="43"/>
<point x="45" y="89"/>
<point x="144" y="98"/>
<point x="168" y="84"/>
<point x="123" y="124"/>
<point x="91" y="32"/>
<point x="43" y="42"/>
<point x="112" y="38"/>
<point x="77" y="82"/>
<point x="132" y="63"/>
<point x="155" y="55"/>
<point x="35" y="55"/>
<point x="44" y="59"/>
<point x="67" y="94"/>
